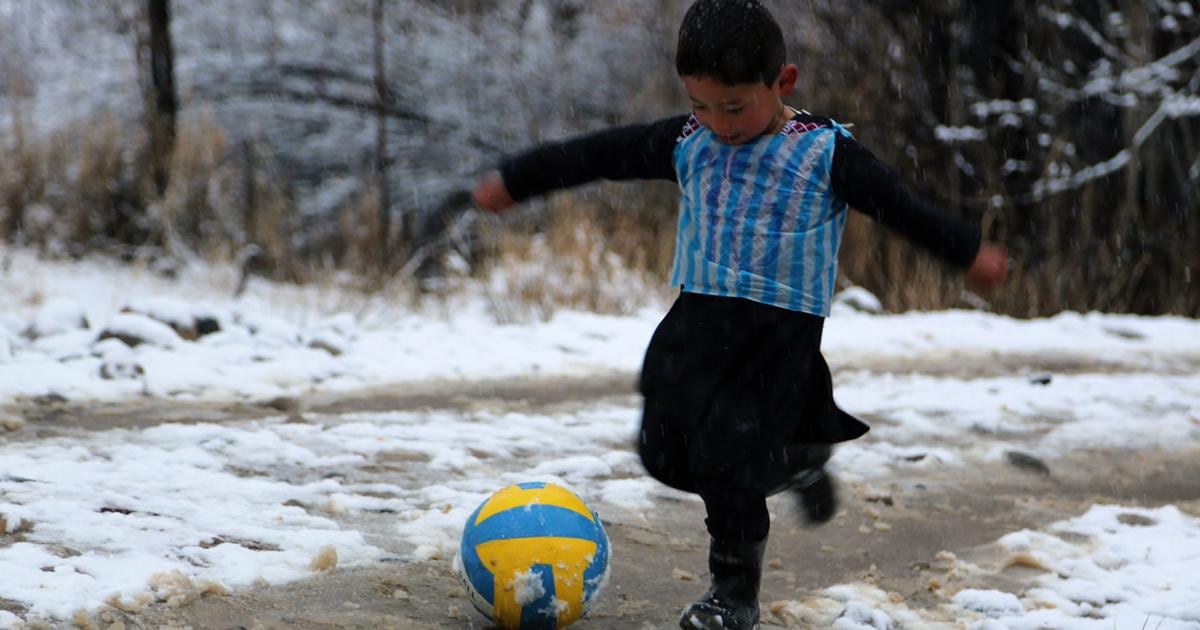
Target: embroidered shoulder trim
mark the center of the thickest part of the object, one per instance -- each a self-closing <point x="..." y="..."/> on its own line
<point x="690" y="127"/>
<point x="794" y="127"/>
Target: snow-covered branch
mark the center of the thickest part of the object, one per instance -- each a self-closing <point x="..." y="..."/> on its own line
<point x="1176" y="106"/>
<point x="1068" y="21"/>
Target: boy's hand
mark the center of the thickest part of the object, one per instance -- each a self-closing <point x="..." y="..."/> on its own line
<point x="990" y="268"/>
<point x="490" y="194"/>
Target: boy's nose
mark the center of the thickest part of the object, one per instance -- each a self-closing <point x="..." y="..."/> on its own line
<point x="723" y="129"/>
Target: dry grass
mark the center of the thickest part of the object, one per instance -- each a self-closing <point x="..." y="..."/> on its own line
<point x="606" y="249"/>
<point x="580" y="256"/>
<point x="88" y="187"/>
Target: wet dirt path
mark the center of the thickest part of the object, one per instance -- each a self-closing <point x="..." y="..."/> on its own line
<point x="893" y="535"/>
<point x="890" y="533"/>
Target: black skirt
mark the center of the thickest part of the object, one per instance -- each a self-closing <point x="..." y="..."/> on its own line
<point x="737" y="392"/>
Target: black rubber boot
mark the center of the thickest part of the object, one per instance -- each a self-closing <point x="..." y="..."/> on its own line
<point x="731" y="603"/>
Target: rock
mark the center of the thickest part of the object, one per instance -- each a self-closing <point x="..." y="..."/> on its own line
<point x="133" y="605"/>
<point x="10" y="422"/>
<point x="1136" y="520"/>
<point x="207" y="325"/>
<point x="289" y="405"/>
<point x="859" y="299"/>
<point x="188" y="321"/>
<point x="1027" y="462"/>
<point x="991" y="603"/>
<point x="330" y="342"/>
<point x="860" y="615"/>
<point x="135" y="329"/>
<point x="1043" y="378"/>
<point x="269" y="329"/>
<point x="50" y="399"/>
<point x="112" y="349"/>
<point x="121" y="371"/>
<point x="334" y="335"/>
<point x="67" y="346"/>
<point x="1024" y="560"/>
<point x="344" y="324"/>
<point x="1124" y="333"/>
<point x="683" y="576"/>
<point x="82" y="620"/>
<point x="177" y="590"/>
<point x="286" y="404"/>
<point x="326" y="560"/>
<point x="56" y="317"/>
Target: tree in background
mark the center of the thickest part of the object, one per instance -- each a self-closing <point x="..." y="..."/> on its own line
<point x="162" y="98"/>
<point x="1069" y="128"/>
<point x="382" y="159"/>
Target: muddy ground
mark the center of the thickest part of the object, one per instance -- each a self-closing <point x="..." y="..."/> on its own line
<point x="891" y="536"/>
<point x="893" y="533"/>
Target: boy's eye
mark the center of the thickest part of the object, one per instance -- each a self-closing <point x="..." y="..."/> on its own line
<point x="734" y="110"/>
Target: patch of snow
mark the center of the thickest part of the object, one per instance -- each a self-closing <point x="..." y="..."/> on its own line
<point x="858" y="299"/>
<point x="951" y="135"/>
<point x="860" y="616"/>
<point x="990" y="603"/>
<point x="57" y="316"/>
<point x="527" y="587"/>
<point x="1120" y="565"/>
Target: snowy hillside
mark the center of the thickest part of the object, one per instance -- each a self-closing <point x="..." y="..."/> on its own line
<point x="297" y="76"/>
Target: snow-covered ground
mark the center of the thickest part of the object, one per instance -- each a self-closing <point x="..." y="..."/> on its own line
<point x="125" y="516"/>
<point x="278" y="340"/>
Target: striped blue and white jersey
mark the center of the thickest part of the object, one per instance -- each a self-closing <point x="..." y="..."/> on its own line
<point x="761" y="221"/>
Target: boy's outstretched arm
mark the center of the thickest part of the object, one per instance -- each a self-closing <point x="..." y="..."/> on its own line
<point x="871" y="187"/>
<point x="631" y="152"/>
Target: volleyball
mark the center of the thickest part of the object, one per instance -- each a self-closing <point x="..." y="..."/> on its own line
<point x="533" y="557"/>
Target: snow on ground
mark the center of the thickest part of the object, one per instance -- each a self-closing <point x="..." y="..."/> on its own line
<point x="1113" y="567"/>
<point x="259" y="500"/>
<point x="278" y="340"/>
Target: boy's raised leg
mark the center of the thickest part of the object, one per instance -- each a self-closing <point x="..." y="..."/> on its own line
<point x="816" y="494"/>
<point x="812" y="485"/>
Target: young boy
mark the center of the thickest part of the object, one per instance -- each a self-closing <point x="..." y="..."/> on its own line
<point x="738" y="399"/>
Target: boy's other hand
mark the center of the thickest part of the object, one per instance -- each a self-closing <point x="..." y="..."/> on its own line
<point x="490" y="194"/>
<point x="990" y="268"/>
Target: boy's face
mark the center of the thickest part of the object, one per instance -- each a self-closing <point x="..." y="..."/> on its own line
<point x="738" y="114"/>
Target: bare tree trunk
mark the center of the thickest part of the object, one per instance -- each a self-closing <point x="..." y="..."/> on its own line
<point x="381" y="143"/>
<point x="163" y="101"/>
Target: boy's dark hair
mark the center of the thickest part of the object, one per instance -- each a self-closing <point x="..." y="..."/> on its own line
<point x="732" y="41"/>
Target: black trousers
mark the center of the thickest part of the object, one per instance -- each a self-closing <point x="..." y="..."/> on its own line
<point x="737" y="512"/>
<point x="738" y="400"/>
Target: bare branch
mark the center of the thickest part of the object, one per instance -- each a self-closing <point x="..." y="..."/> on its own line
<point x="1173" y="108"/>
<point x="1066" y="20"/>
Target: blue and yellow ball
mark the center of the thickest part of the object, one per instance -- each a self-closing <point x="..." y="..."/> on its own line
<point x="533" y="557"/>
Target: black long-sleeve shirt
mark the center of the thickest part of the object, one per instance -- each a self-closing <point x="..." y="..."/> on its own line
<point x="647" y="152"/>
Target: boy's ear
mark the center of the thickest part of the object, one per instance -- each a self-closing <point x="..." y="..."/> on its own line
<point x="786" y="83"/>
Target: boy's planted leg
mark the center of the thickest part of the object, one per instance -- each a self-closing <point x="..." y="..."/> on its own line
<point x="731" y="602"/>
<point x="738" y="523"/>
